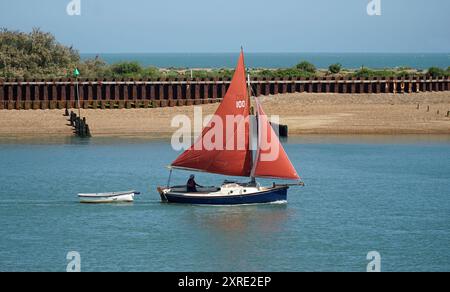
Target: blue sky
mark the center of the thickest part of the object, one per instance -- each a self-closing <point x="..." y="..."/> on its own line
<point x="117" y="26"/>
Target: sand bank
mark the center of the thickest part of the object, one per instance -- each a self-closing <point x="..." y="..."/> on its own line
<point x="304" y="113"/>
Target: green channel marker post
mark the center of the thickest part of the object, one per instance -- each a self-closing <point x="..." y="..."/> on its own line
<point x="76" y="73"/>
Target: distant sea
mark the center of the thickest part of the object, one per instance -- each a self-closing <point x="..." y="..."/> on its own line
<point x="281" y="60"/>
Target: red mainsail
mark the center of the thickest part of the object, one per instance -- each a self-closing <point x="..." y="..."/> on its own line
<point x="271" y="159"/>
<point x="231" y="154"/>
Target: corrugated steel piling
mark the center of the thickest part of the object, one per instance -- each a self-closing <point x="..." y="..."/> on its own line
<point x="61" y="93"/>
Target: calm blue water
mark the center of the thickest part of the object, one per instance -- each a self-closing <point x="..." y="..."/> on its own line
<point x="281" y="60"/>
<point x="363" y="194"/>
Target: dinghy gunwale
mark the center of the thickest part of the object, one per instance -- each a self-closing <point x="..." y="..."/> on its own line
<point x="108" y="195"/>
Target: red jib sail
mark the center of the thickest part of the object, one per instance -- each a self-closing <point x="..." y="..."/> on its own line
<point x="271" y="159"/>
<point x="231" y="154"/>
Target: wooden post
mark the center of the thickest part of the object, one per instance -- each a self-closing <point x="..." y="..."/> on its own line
<point x="2" y="95"/>
<point x="71" y="94"/>
<point x="180" y="93"/>
<point x="80" y="97"/>
<point x="36" y="98"/>
<point x="345" y="85"/>
<point x="27" y="102"/>
<point x="214" y="90"/>
<point x="293" y="85"/>
<point x="161" y="91"/>
<point x="77" y="126"/>
<point x="378" y="86"/>
<point x="134" y="92"/>
<point x="266" y="86"/>
<point x="99" y="92"/>
<point x="8" y="99"/>
<point x="82" y="127"/>
<point x="19" y="96"/>
<point x="358" y="85"/>
<point x="144" y="95"/>
<point x="10" y="103"/>
<point x="353" y="86"/>
<point x="223" y="88"/>
<point x="71" y="118"/>
<point x="61" y="98"/>
<point x="284" y="86"/>
<point x="318" y="84"/>
<point x="206" y="96"/>
<point x="116" y="96"/>
<point x="436" y="84"/>
<point x="196" y="91"/>
<point x="54" y="95"/>
<point x="334" y="82"/>
<point x="188" y="93"/>
<point x="107" y="93"/>
<point x="88" y="131"/>
<point x="152" y="91"/>
<point x="125" y="96"/>
<point x="258" y="87"/>
<point x="170" y="91"/>
<point x="44" y="100"/>
<point x="276" y="85"/>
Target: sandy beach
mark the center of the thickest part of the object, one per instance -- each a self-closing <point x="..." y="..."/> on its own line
<point x="304" y="113"/>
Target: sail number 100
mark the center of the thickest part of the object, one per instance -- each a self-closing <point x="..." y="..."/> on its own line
<point x="241" y="104"/>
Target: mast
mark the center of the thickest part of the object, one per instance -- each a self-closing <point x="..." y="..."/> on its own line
<point x="252" y="127"/>
<point x="250" y="132"/>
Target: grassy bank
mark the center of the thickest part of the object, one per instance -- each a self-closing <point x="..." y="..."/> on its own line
<point x="39" y="55"/>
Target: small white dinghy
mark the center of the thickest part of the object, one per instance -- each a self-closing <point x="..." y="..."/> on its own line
<point x="117" y="197"/>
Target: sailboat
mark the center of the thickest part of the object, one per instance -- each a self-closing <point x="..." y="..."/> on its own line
<point x="268" y="162"/>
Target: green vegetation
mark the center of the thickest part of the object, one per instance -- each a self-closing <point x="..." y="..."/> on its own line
<point x="335" y="68"/>
<point x="437" y="72"/>
<point x="38" y="55"/>
<point x="386" y="73"/>
<point x="34" y="55"/>
<point x="94" y="68"/>
<point x="368" y="73"/>
<point x="126" y="69"/>
<point x="306" y="67"/>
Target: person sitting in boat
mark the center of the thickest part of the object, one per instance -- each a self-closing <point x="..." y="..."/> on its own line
<point x="192" y="184"/>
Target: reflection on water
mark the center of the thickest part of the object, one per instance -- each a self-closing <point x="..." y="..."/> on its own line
<point x="236" y="220"/>
<point x="235" y="237"/>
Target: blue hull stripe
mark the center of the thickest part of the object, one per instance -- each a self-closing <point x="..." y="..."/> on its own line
<point x="275" y="195"/>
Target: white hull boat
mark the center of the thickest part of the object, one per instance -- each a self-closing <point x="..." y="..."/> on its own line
<point x="116" y="197"/>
